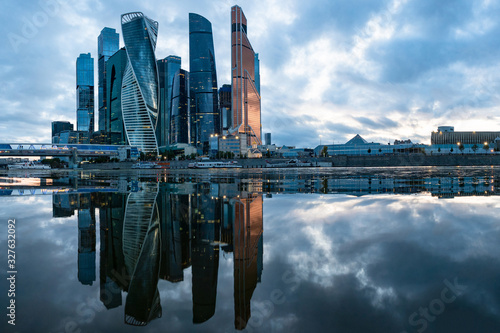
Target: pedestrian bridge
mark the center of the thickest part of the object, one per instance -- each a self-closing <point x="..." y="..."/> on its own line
<point x="67" y="150"/>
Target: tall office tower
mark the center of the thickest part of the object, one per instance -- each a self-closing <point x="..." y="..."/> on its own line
<point x="85" y="93"/>
<point x="245" y="94"/>
<point x="268" y="139"/>
<point x="225" y="108"/>
<point x="59" y="126"/>
<point x="115" y="68"/>
<point x="140" y="82"/>
<point x="166" y="70"/>
<point x="108" y="43"/>
<point x="205" y="119"/>
<point x="180" y="104"/>
<point x="257" y="73"/>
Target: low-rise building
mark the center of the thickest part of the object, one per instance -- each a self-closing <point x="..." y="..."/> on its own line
<point x="446" y="135"/>
<point x="359" y="146"/>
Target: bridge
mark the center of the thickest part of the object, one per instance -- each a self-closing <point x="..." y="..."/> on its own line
<point x="73" y="151"/>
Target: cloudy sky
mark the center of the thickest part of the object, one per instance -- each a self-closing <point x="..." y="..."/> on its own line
<point x="386" y="69"/>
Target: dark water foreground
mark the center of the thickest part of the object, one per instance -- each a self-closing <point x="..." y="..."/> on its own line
<point x="338" y="250"/>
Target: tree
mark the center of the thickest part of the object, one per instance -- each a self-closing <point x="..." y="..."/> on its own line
<point x="486" y="147"/>
<point x="324" y="152"/>
<point x="369" y="150"/>
<point x="439" y="150"/>
<point x="451" y="150"/>
<point x="474" y="148"/>
<point x="380" y="150"/>
<point x="461" y="147"/>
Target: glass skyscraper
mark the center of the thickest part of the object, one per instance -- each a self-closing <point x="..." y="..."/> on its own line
<point x="140" y="81"/>
<point x="257" y="72"/>
<point x="245" y="92"/>
<point x="179" y="120"/>
<point x="108" y="43"/>
<point x="167" y="68"/>
<point x="205" y="119"/>
<point x="85" y="93"/>
<point x="225" y="108"/>
<point x="115" y="68"/>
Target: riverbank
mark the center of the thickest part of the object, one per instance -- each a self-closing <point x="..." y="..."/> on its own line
<point x="342" y="161"/>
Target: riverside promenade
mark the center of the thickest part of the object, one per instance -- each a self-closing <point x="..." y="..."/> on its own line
<point x="344" y="161"/>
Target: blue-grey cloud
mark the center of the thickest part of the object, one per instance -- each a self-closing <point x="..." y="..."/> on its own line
<point x="421" y="60"/>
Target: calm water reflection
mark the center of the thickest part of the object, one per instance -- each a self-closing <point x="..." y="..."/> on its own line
<point x="358" y="250"/>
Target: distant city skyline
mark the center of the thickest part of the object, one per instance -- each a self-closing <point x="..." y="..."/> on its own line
<point x="387" y="70"/>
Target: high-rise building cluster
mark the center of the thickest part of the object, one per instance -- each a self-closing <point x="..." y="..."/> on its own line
<point x="157" y="106"/>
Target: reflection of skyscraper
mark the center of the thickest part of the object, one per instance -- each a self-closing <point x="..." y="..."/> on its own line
<point x="172" y="212"/>
<point x="86" y="246"/>
<point x="167" y="68"/>
<point x="111" y="217"/>
<point x="248" y="228"/>
<point x="140" y="81"/>
<point x="245" y="93"/>
<point x="143" y="299"/>
<point x="205" y="253"/>
<point x="141" y="249"/>
<point x="85" y="93"/>
<point x="205" y="120"/>
<point x="108" y="43"/>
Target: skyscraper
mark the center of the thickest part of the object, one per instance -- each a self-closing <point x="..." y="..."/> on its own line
<point x="108" y="43"/>
<point x="257" y="72"/>
<point x="58" y="127"/>
<point x="140" y="81"/>
<point x="181" y="102"/>
<point x="167" y="69"/>
<point x="115" y="68"/>
<point x="245" y="93"/>
<point x="205" y="120"/>
<point x="225" y="108"/>
<point x="85" y="93"/>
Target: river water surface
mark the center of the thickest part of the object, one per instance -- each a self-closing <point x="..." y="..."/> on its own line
<point x="309" y="250"/>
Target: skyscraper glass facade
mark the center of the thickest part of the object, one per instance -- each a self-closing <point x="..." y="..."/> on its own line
<point x="59" y="126"/>
<point x="167" y="69"/>
<point x="179" y="120"/>
<point x="205" y="119"/>
<point x="115" y="68"/>
<point x="257" y="72"/>
<point x="245" y="94"/>
<point x="108" y="43"/>
<point x="140" y="81"/>
<point x="85" y="93"/>
<point x="225" y="108"/>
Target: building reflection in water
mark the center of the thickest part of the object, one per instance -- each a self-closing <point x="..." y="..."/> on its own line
<point x="158" y="231"/>
<point x="248" y="248"/>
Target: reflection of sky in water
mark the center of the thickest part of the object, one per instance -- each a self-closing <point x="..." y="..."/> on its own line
<point x="331" y="263"/>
